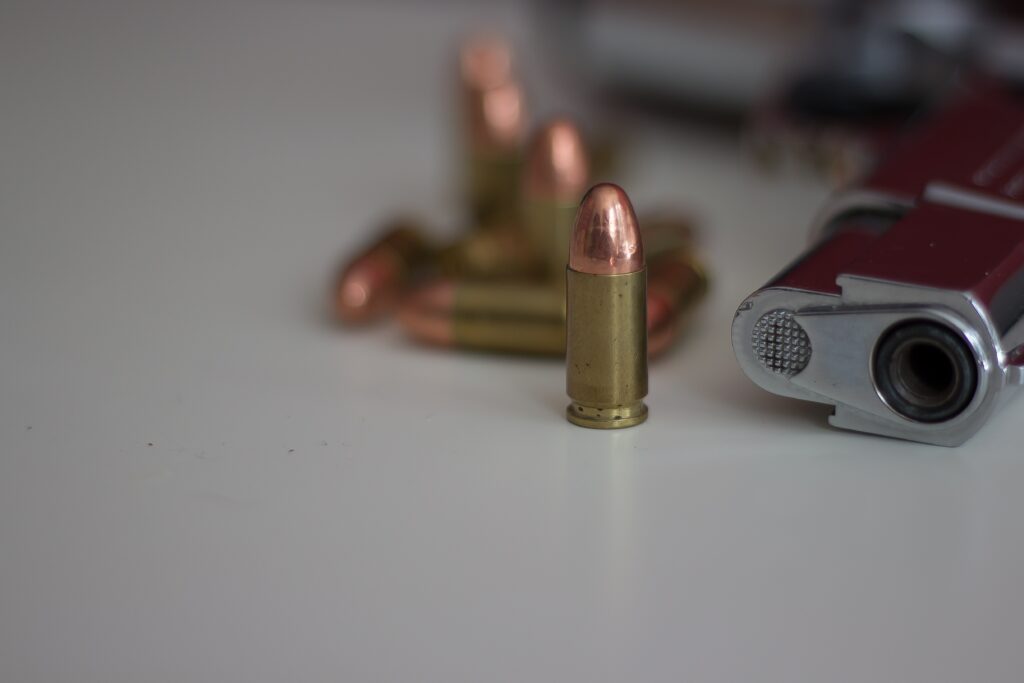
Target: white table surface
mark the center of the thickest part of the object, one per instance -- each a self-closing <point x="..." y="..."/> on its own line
<point x="202" y="480"/>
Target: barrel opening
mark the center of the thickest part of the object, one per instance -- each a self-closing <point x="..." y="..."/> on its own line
<point x="925" y="371"/>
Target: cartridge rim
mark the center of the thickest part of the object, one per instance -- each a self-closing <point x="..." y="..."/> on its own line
<point x="616" y="417"/>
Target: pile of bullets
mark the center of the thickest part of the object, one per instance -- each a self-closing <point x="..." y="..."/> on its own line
<point x="539" y="271"/>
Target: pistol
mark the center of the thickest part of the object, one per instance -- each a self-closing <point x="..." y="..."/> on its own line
<point x="905" y="313"/>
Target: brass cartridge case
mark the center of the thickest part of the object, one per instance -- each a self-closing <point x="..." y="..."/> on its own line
<point x="491" y="254"/>
<point x="510" y="317"/>
<point x="492" y="186"/>
<point x="549" y="222"/>
<point x="489" y="316"/>
<point x="606" y="352"/>
<point x="507" y="317"/>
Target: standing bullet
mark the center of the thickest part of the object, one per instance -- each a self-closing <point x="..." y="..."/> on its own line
<point x="606" y="307"/>
<point x="370" y="284"/>
<point x="494" y="118"/>
<point x="555" y="176"/>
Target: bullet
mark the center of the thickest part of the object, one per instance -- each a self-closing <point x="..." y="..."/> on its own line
<point x="662" y="333"/>
<point x="606" y="308"/>
<point x="676" y="282"/>
<point x="555" y="176"/>
<point x="371" y="283"/>
<point x="494" y="117"/>
<point x="676" y="278"/>
<point x="506" y="316"/>
<point x="501" y="252"/>
<point x="469" y="308"/>
<point x="494" y="156"/>
<point x="665" y="231"/>
<point x="485" y="61"/>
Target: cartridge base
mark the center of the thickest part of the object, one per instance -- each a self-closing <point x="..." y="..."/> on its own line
<point x="618" y="417"/>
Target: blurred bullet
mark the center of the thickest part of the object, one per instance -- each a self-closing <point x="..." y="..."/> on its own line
<point x="370" y="284"/>
<point x="555" y="176"/>
<point x="678" y="276"/>
<point x="506" y="316"/>
<point x="661" y="331"/>
<point x="491" y="254"/>
<point x="664" y="231"/>
<point x="497" y="121"/>
<point x="494" y="121"/>
<point x="676" y="282"/>
<point x="494" y="155"/>
<point x="485" y="61"/>
<point x="606" y="307"/>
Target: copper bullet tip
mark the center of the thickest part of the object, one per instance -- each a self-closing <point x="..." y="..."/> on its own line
<point x="497" y="116"/>
<point x="493" y="96"/>
<point x="370" y="284"/>
<point x="353" y="300"/>
<point x="427" y="313"/>
<point x="367" y="287"/>
<point x="557" y="166"/>
<point x="485" y="61"/>
<point x="606" y="235"/>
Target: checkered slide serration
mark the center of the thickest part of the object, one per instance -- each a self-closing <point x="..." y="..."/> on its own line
<point x="780" y="344"/>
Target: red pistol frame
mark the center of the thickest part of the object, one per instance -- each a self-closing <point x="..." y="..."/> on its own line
<point x="907" y="312"/>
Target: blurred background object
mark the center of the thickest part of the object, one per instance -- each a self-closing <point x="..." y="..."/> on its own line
<point x="500" y="284"/>
<point x="841" y="57"/>
<point x="702" y="55"/>
<point x="493" y="125"/>
<point x="556" y="175"/>
<point x="827" y="83"/>
<point x="370" y="283"/>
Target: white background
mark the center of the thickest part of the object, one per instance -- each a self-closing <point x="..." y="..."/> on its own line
<point x="201" y="479"/>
